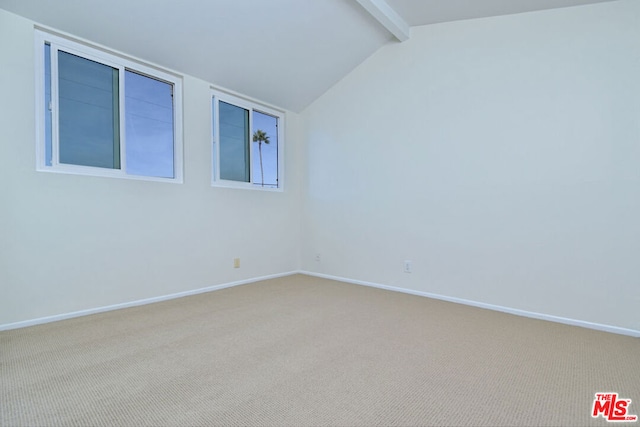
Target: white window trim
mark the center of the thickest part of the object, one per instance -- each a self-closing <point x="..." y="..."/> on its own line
<point x="122" y="63"/>
<point x="218" y="95"/>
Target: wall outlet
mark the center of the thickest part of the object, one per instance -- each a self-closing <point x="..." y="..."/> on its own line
<point x="317" y="257"/>
<point x="236" y="263"/>
<point x="407" y="266"/>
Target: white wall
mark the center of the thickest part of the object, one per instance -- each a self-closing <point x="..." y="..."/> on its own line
<point x="70" y="243"/>
<point x="500" y="155"/>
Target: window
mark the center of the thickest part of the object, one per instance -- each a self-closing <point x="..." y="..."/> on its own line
<point x="247" y="144"/>
<point x="101" y="114"/>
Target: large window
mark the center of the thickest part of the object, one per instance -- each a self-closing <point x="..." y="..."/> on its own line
<point x="247" y="143"/>
<point x="101" y="114"/>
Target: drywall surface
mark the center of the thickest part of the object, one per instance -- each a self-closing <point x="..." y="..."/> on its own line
<point x="72" y="243"/>
<point x="501" y="156"/>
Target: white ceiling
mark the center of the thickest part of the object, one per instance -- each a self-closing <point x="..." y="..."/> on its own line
<point x="425" y="12"/>
<point x="284" y="52"/>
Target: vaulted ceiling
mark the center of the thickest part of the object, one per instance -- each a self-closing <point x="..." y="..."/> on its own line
<point x="284" y="52"/>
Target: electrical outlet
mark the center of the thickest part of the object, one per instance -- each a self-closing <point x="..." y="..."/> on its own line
<point x="317" y="257"/>
<point x="407" y="266"/>
<point x="236" y="263"/>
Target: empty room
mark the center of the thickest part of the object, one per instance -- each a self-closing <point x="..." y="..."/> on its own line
<point x="320" y="212"/>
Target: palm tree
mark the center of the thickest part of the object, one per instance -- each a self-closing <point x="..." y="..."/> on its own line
<point x="261" y="136"/>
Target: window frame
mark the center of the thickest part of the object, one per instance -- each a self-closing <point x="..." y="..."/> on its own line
<point x="106" y="57"/>
<point x="217" y="96"/>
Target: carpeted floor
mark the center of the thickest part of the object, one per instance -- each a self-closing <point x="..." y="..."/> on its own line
<point x="302" y="351"/>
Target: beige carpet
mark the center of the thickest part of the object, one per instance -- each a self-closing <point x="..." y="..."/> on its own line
<point x="307" y="351"/>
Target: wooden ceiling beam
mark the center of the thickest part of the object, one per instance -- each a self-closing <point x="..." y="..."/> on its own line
<point x="388" y="17"/>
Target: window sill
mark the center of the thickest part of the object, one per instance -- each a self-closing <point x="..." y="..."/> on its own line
<point x="106" y="174"/>
<point x="245" y="186"/>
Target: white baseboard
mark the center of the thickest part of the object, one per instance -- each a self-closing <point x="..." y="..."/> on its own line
<point x="64" y="316"/>
<point x="517" y="312"/>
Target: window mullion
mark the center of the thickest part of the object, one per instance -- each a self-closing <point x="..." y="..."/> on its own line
<point x="122" y="156"/>
<point x="278" y="152"/>
<point x="55" y="116"/>
<point x="250" y="145"/>
<point x="216" y="139"/>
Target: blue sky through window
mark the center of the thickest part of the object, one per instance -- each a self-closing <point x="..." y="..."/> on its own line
<point x="149" y="126"/>
<point x="88" y="112"/>
<point x="269" y="125"/>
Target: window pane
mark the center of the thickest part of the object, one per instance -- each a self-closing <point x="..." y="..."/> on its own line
<point x="47" y="104"/>
<point x="149" y="126"/>
<point x="88" y="108"/>
<point x="265" y="154"/>
<point x="234" y="142"/>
